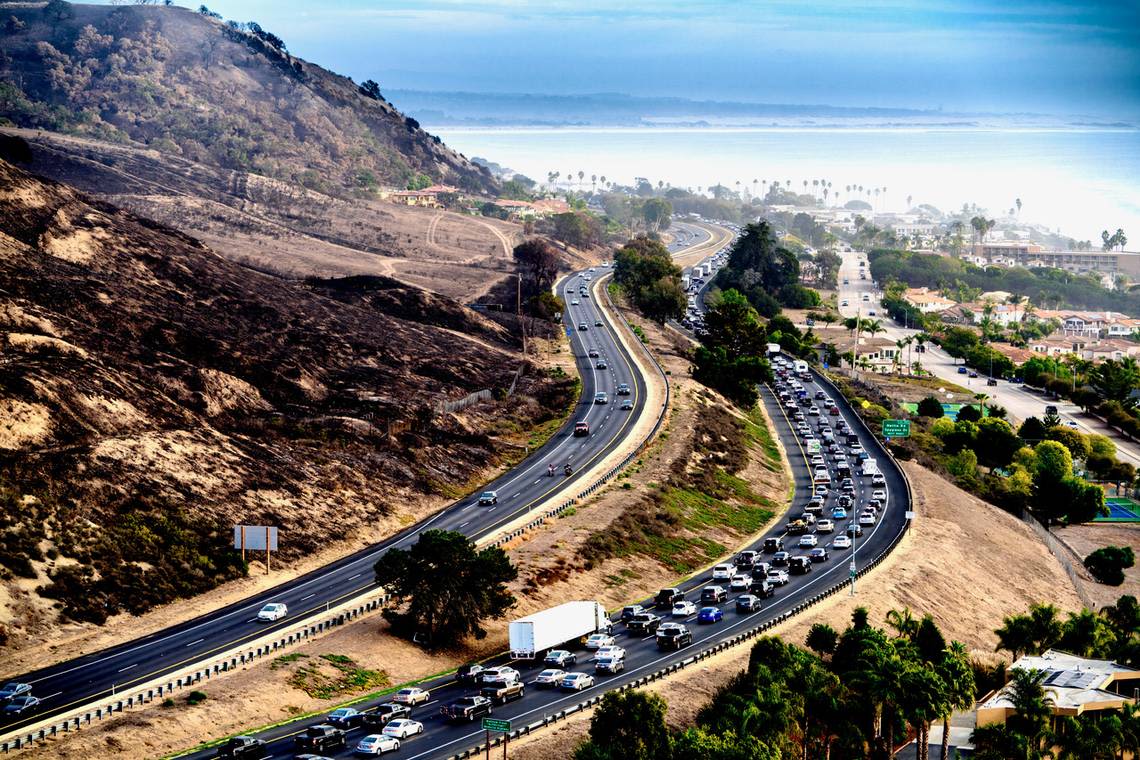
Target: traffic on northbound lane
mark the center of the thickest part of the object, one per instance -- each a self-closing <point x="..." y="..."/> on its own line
<point x="591" y="433"/>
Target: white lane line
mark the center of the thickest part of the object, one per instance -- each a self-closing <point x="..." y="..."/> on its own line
<point x="134" y="665"/>
<point x="356" y="576"/>
<point x="192" y="643"/>
<point x="462" y="524"/>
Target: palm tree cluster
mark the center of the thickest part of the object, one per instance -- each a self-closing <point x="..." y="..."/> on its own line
<point x="858" y="694"/>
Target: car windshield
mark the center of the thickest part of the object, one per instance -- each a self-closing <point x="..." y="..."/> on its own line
<point x="339" y="713"/>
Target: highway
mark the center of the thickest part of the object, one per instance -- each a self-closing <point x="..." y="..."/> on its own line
<point x="441" y="739"/>
<point x="1019" y="400"/>
<point x="79" y="681"/>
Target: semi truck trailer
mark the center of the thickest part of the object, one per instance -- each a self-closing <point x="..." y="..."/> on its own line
<point x="537" y="633"/>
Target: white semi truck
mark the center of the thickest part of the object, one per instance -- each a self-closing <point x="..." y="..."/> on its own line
<point x="542" y="631"/>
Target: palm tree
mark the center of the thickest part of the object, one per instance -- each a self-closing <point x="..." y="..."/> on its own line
<point x="603" y="178"/>
<point x="874" y="327"/>
<point x="909" y="198"/>
<point x="1031" y="704"/>
<point x="903" y="621"/>
<point x="594" y="181"/>
<point x="1016" y="636"/>
<point x="960" y="689"/>
<point x="1017" y="202"/>
<point x="581" y="176"/>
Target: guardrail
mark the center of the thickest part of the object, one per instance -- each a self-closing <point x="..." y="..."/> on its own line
<point x="272" y="644"/>
<point x="732" y="641"/>
<point x="616" y="469"/>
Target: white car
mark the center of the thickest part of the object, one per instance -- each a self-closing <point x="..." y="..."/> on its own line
<point x="808" y="540"/>
<point x="377" y="744"/>
<point x="722" y="572"/>
<point x="740" y="582"/>
<point x="598" y="640"/>
<point x="503" y="675"/>
<point x="272" y="611"/>
<point x="778" y="577"/>
<point x="402" y="728"/>
<point x="841" y="542"/>
<point x="613" y="650"/>
<point x="881" y="495"/>
<point x="574" y="302"/>
<point x="824" y="526"/>
<point x="867" y="518"/>
<point x="550" y="677"/>
<point x="577" y="681"/>
<point x="684" y="609"/>
<point x="413" y="695"/>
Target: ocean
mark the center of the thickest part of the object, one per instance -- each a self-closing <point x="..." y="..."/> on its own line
<point x="1075" y="181"/>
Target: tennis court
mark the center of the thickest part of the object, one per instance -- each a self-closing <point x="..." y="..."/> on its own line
<point x="1121" y="509"/>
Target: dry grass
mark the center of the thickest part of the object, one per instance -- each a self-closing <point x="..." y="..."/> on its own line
<point x="1085" y="539"/>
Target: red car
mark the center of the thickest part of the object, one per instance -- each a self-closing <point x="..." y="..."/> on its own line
<point x="582" y="428"/>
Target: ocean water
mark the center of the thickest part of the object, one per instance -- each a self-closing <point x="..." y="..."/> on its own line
<point x="1075" y="181"/>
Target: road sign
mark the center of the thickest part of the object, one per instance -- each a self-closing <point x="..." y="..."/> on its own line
<point x="569" y="332"/>
<point x="896" y="428"/>
<point x="494" y="724"/>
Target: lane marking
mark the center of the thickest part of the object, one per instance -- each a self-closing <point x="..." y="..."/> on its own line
<point x="134" y="665"/>
<point x="192" y="643"/>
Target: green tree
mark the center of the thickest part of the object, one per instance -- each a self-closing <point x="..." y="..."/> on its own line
<point x="1054" y="466"/>
<point x="731" y="356"/>
<point x="539" y="262"/>
<point x="1108" y="564"/>
<point x="930" y="407"/>
<point x="646" y="272"/>
<point x="628" y="724"/>
<point x="822" y="639"/>
<point x="1115" y="380"/>
<point x="1032" y="430"/>
<point x="957" y="675"/>
<point x="577" y="228"/>
<point x="996" y="443"/>
<point x="657" y="213"/>
<point x="56" y="11"/>
<point x="447" y="585"/>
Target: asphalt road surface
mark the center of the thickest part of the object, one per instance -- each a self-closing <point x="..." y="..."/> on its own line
<point x="84" y="679"/>
<point x="442" y="739"/>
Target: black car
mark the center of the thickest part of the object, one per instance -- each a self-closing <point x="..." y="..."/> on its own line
<point x="799" y="565"/>
<point x="20" y="705"/>
<point x="773" y="544"/>
<point x="855" y="530"/>
<point x="244" y="747"/>
<point x="14" y="689"/>
<point x="713" y="595"/>
<point x="321" y="738"/>
<point x="673" y="636"/>
<point x="630" y="610"/>
<point x="780" y="558"/>
<point x="385" y="714"/>
<point x="346" y="718"/>
<point x="667" y="597"/>
<point x="747" y="603"/>
<point x="469" y="673"/>
<point x="643" y="623"/>
<point x="467" y="708"/>
<point x="559" y="658"/>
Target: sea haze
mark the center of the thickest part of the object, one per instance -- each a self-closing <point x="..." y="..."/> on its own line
<point x="1073" y="174"/>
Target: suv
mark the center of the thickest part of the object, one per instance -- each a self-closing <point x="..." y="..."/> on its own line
<point x="629" y="611"/>
<point x="609" y="665"/>
<point x="244" y="747"/>
<point x="581" y="428"/>
<point x="762" y="588"/>
<point x="643" y="623"/>
<point x="746" y="559"/>
<point x="747" y="603"/>
<point x="321" y="738"/>
<point x="469" y="673"/>
<point x="623" y="389"/>
<point x="467" y="708"/>
<point x="800" y="565"/>
<point x="667" y="597"/>
<point x="713" y="595"/>
<point x="488" y="498"/>
<point x="673" y="636"/>
<point x="778" y="577"/>
<point x="773" y="544"/>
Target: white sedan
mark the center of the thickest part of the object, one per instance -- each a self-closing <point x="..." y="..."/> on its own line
<point x="808" y="540"/>
<point x="377" y="744"/>
<point x="740" y="582"/>
<point x="613" y="650"/>
<point x="402" y="728"/>
<point x="598" y="640"/>
<point x="684" y="608"/>
<point x="272" y="611"/>
<point x="867" y="518"/>
<point x="880" y="495"/>
<point x="841" y="542"/>
<point x="413" y="695"/>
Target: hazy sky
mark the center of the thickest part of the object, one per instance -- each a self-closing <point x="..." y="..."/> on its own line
<point x="1046" y="56"/>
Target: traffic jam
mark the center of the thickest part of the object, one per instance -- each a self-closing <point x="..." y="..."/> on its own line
<point x="561" y="652"/>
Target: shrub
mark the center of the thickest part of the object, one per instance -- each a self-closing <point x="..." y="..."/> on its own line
<point x="930" y="407"/>
<point x="1107" y="564"/>
<point x="196" y="697"/>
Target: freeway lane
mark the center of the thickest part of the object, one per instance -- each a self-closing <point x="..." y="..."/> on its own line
<point x="442" y="739"/>
<point x="79" y="681"/>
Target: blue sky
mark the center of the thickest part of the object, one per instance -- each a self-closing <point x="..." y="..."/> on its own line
<point x="1044" y="56"/>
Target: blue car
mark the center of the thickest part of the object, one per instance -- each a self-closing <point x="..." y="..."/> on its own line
<point x="838" y="513"/>
<point x="710" y="615"/>
<point x="962" y="370"/>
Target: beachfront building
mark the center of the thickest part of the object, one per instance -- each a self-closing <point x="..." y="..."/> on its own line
<point x="1022" y="254"/>
<point x="1076" y="685"/>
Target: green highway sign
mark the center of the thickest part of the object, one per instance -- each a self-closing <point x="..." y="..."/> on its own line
<point x="896" y="428"/>
<point x="494" y="724"/>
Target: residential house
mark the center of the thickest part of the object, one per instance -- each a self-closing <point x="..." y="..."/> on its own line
<point x="1074" y="685"/>
<point x="926" y="300"/>
<point x="1109" y="349"/>
<point x="879" y="353"/>
<point x="1092" y="324"/>
<point x="1056" y="346"/>
<point x="1002" y="313"/>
